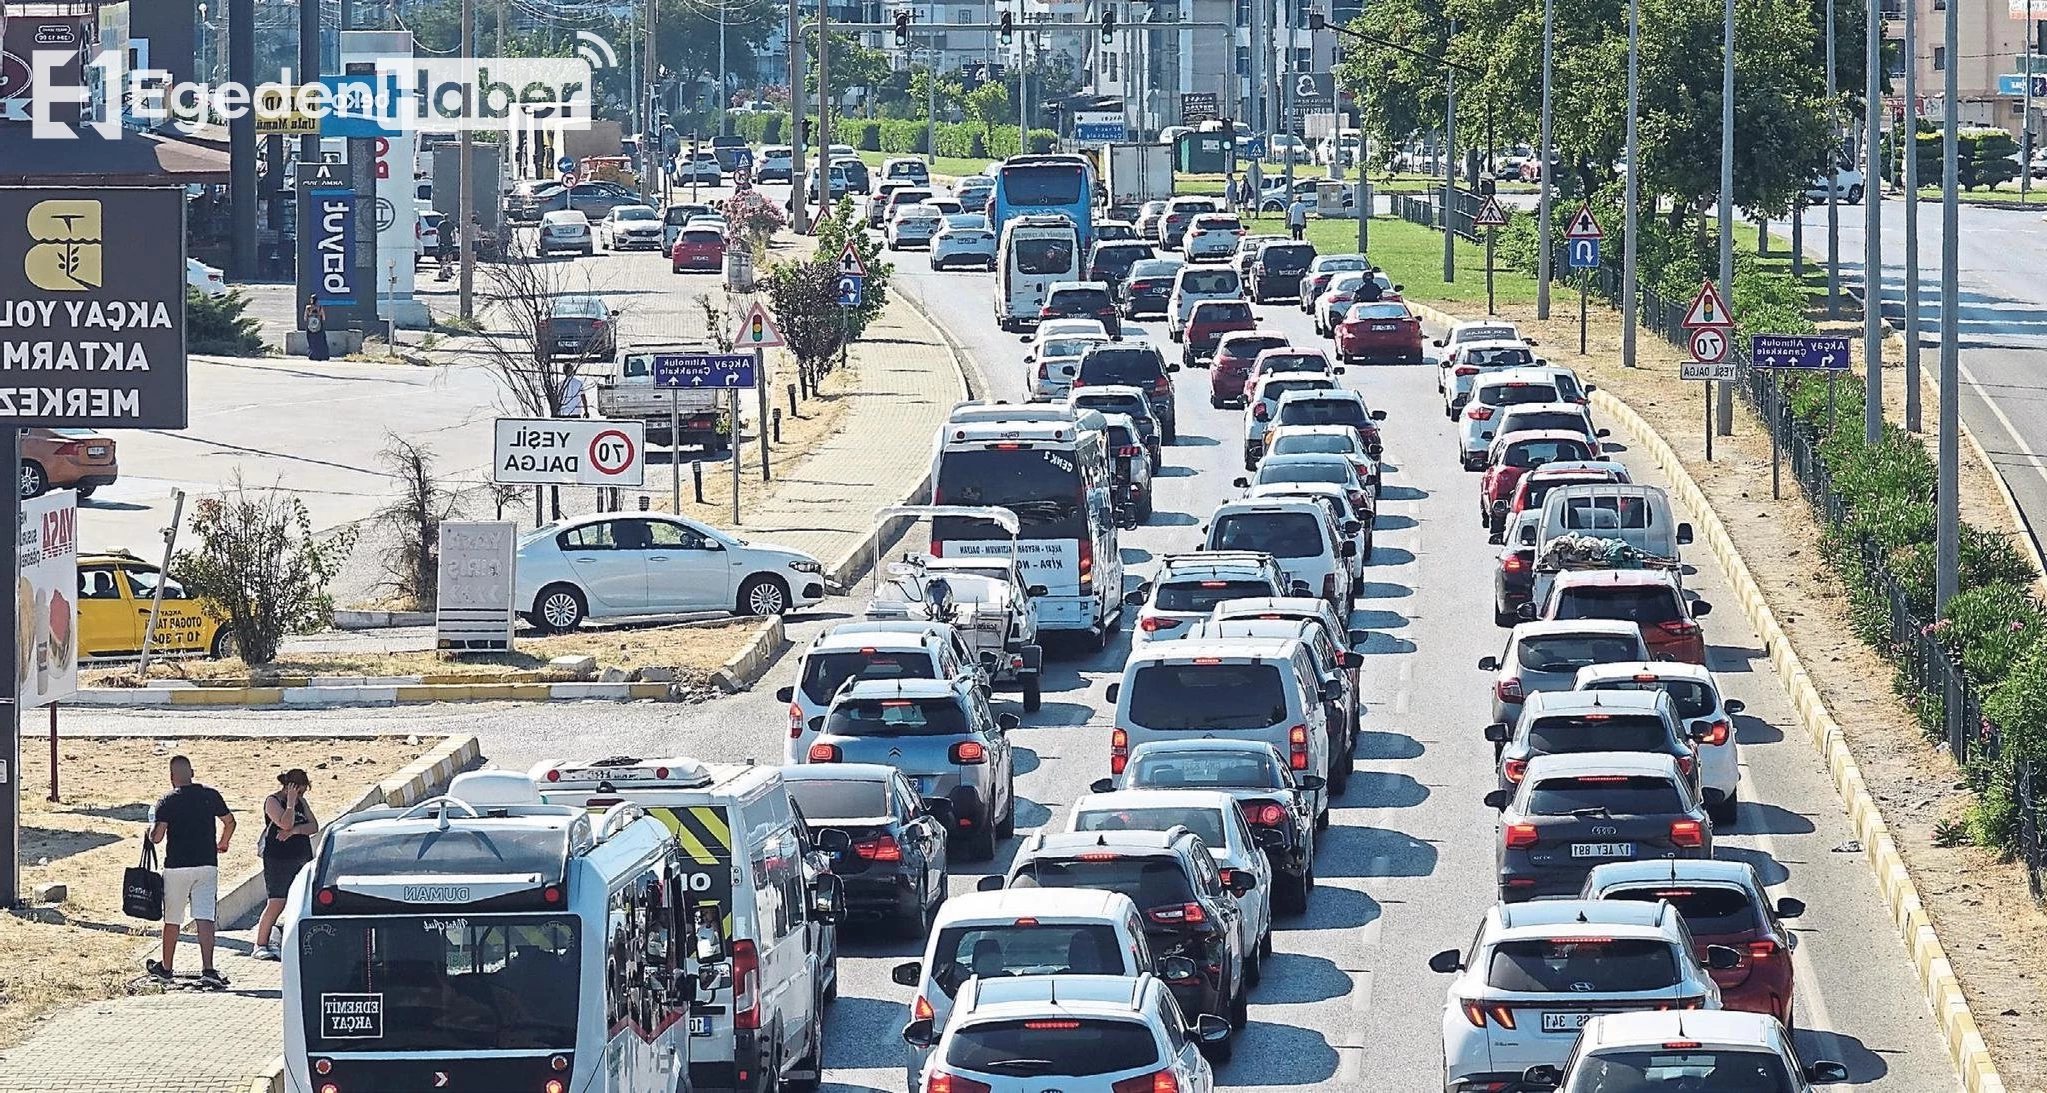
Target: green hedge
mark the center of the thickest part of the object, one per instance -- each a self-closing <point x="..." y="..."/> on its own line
<point x="957" y="140"/>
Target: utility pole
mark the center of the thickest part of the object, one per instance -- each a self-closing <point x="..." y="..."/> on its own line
<point x="1449" y="162"/>
<point x="1545" y="257"/>
<point x="1023" y="91"/>
<point x="1631" y="191"/>
<point x="799" y="214"/>
<point x="1725" y="407"/>
<point x="1872" y="229"/>
<point x="1833" y="178"/>
<point x="1287" y="124"/>
<point x="931" y="110"/>
<point x="1911" y="143"/>
<point x="1947" y="517"/>
<point x="465" y="204"/>
<point x="824" y="109"/>
<point x="650" y="140"/>
<point x="724" y="100"/>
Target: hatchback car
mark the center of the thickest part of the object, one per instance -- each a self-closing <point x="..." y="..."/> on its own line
<point x="1050" y="363"/>
<point x="1708" y="719"/>
<point x="1230" y="368"/>
<point x="1570" y="722"/>
<point x="1082" y="300"/>
<point x="1572" y="812"/>
<point x="1649" y="599"/>
<point x="1276" y="273"/>
<point x="673" y="219"/>
<point x="1379" y="333"/>
<point x="1262" y="398"/>
<point x="1198" y="284"/>
<point x="1186" y="587"/>
<point x="700" y="168"/>
<point x="1324" y="270"/>
<point x="697" y="248"/>
<point x="1546" y="656"/>
<point x="1208" y="324"/>
<point x="1651" y="1049"/>
<point x="775" y="164"/>
<point x="1534" y="487"/>
<point x="565" y="231"/>
<point x="1301" y="535"/>
<point x="870" y="649"/>
<point x="1723" y="903"/>
<point x="1086" y="1033"/>
<point x="1148" y="288"/>
<point x="1299" y="468"/>
<point x="1544" y="417"/>
<point x="609" y="565"/>
<point x="1348" y="289"/>
<point x="1136" y="364"/>
<point x="1289" y="440"/>
<point x="1340" y="406"/>
<point x="942" y="736"/>
<point x="67" y="459"/>
<point x="964" y="239"/>
<point x="895" y="870"/>
<point x="912" y="226"/>
<point x="1512" y="455"/>
<point x="1110" y="260"/>
<point x="1288" y="358"/>
<point x="1491" y="394"/>
<point x="1178" y="214"/>
<point x="1461" y="365"/>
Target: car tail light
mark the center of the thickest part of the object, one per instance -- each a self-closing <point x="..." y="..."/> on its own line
<point x="1478" y="1013"/>
<point x="1521" y="836"/>
<point x="68" y="448"/>
<point x="879" y="848"/>
<point x="1680" y="1045"/>
<point x="1513" y="563"/>
<point x="942" y="1082"/>
<point x="1160" y="1081"/>
<point x="1508" y="689"/>
<point x="1153" y="624"/>
<point x="969" y="753"/>
<point x="1515" y="769"/>
<point x="1297" y="747"/>
<point x="1047" y="313"/>
<point x="1762" y="950"/>
<point x="1087" y="563"/>
<point x="1687" y="833"/>
<point x="1260" y="413"/>
<point x="746" y="985"/>
<point x="1190" y="914"/>
<point x="1477" y="412"/>
<point x="1042" y="373"/>
<point x="1466" y="370"/>
<point x="824" y="753"/>
<point x="920" y="1010"/>
<point x="795" y="721"/>
<point x="1264" y="815"/>
<point x="1684" y="765"/>
<point x="1682" y="628"/>
<point x="1130" y="450"/>
<point x="1683" y="1004"/>
<point x="1119" y="751"/>
<point x="1162" y="385"/>
<point x="1329" y="586"/>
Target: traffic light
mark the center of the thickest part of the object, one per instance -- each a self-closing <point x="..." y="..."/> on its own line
<point x="902" y="28"/>
<point x="1316" y="20"/>
<point x="1008" y="27"/>
<point x="1108" y="28"/>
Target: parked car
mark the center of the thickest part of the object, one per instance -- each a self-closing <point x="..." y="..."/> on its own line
<point x="66" y="459"/>
<point x="116" y="591"/>
<point x="565" y="230"/>
<point x="604" y="565"/>
<point x="204" y="279"/>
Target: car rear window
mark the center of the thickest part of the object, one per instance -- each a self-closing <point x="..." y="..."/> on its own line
<point x="1598" y="732"/>
<point x="1221" y="311"/>
<point x="1149" y="880"/>
<point x="1570" y="652"/>
<point x="1315" y="443"/>
<point x="1204" y="595"/>
<point x="1210" y="281"/>
<point x="1280" y="534"/>
<point x="1293" y="362"/>
<point x="1704" y="1071"/>
<point x="825" y="673"/>
<point x="839" y="798"/>
<point x="1081" y="948"/>
<point x="1618" y="794"/>
<point x="1119" y="437"/>
<point x="1707" y="909"/>
<point x="1645" y="606"/>
<point x="1247" y="347"/>
<point x="1207" y="696"/>
<point x="1287" y="256"/>
<point x="1692" y="698"/>
<point x="1204" y="770"/>
<point x="1114" y="404"/>
<point x="1219" y="222"/>
<point x="1066" y="1047"/>
<point x="703" y="235"/>
<point x="1089" y="300"/>
<point x="1515" y="394"/>
<point x="1566" y="965"/>
<point x="1275" y="388"/>
<point x="1157" y="267"/>
<point x="1542" y="419"/>
<point x="1132" y="367"/>
<point x="1119" y="259"/>
<point x="1367" y="312"/>
<point x="1067" y="347"/>
<point x="1324" y="411"/>
<point x="1504" y="357"/>
<point x="897" y="717"/>
<point x="1538" y="488"/>
<point x="1206" y="823"/>
<point x="1304" y="470"/>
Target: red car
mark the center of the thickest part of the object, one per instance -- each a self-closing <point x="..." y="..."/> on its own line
<point x="1536" y="484"/>
<point x="1722" y="903"/>
<point x="1211" y="320"/>
<point x="1515" y="454"/>
<point x="1649" y="598"/>
<point x="1384" y="331"/>
<point x="698" y="248"/>
<point x="1231" y="369"/>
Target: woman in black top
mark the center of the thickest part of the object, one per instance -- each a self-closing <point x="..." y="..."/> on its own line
<point x="286" y="846"/>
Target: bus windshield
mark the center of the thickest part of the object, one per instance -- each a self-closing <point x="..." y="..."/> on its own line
<point x="462" y="983"/>
<point x="1041" y="485"/>
<point x="1042" y="186"/>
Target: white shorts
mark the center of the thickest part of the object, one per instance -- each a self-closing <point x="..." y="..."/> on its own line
<point x="197" y="885"/>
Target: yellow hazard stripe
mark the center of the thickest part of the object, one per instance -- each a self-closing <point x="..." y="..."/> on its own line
<point x="715" y="827"/>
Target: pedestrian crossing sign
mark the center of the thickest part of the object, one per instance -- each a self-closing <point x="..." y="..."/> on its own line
<point x="1490" y="214"/>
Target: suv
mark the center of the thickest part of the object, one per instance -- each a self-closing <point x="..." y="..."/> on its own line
<point x="1277" y="272"/>
<point x="1231" y="365"/>
<point x="1708" y="720"/>
<point x="1082" y="300"/>
<point x="870" y="650"/>
<point x="1206" y="325"/>
<point x="1491" y="393"/>
<point x="1188" y="586"/>
<point x="1301" y="535"/>
<point x="1463" y="364"/>
<point x="1649" y="599"/>
<point x="1572" y="722"/>
<point x="941" y="734"/>
<point x="1195" y="284"/>
<point x="1179" y="213"/>
<point x="1136" y="364"/>
<point x="1572" y="812"/>
<point x="907" y="169"/>
<point x="1723" y="903"/>
<point x="1111" y="262"/>
<point x="1148" y="287"/>
<point x="776" y="164"/>
<point x="1188" y="910"/>
<point x="1127" y="402"/>
<point x="1212" y="235"/>
<point x="1337" y="406"/>
<point x="1546" y="656"/>
<point x="1082" y="1031"/>
<point x="1335" y="664"/>
<point x="1748" y="1050"/>
<point x="1262" y="397"/>
<point x="1537" y="973"/>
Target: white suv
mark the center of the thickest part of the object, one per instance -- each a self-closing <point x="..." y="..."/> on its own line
<point x="1188" y="586"/>
<point x="1212" y="235"/>
<point x="1199" y="284"/>
<point x="1302" y="536"/>
<point x="1728" y="1049"/>
<point x="1490" y="396"/>
<point x="1537" y="972"/>
<point x="1078" y="1033"/>
<point x="1708" y="719"/>
<point x="1464" y="363"/>
<point x="909" y="649"/>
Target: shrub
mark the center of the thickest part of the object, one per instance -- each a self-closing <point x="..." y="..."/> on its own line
<point x="216" y="324"/>
<point x="1989" y="627"/>
<point x="260" y="569"/>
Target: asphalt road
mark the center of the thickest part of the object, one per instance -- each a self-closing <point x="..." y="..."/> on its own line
<point x="1347" y="1002"/>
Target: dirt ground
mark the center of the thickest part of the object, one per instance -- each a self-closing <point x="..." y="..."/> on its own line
<point x="1995" y="936"/>
<point x="83" y="949"/>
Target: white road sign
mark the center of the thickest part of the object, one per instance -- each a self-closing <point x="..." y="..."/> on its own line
<point x="1723" y="371"/>
<point x="568" y="452"/>
<point x="1709" y="343"/>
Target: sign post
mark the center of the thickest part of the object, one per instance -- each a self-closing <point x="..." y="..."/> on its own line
<point x="1710" y="324"/>
<point x="727" y="371"/>
<point x="1584" y="236"/>
<point x="1490" y="217"/>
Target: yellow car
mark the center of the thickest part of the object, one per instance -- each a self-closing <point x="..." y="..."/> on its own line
<point x="114" y="595"/>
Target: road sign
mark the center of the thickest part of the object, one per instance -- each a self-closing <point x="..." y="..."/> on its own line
<point x="1815" y="352"/>
<point x="568" y="452"/>
<point x="1314" y="91"/>
<point x="1708" y="309"/>
<point x="1196" y="107"/>
<point x="1584" y="225"/>
<point x="565" y="164"/>
<point x="1490" y="215"/>
<point x="756" y="330"/>
<point x="850" y="264"/>
<point x="1584" y="253"/>
<point x="852" y="290"/>
<point x="1724" y="371"/>
<point x="1709" y="344"/>
<point x="2013" y="86"/>
<point x="705" y="370"/>
<point x="568" y="178"/>
<point x="1251" y="148"/>
<point x="1098" y="126"/>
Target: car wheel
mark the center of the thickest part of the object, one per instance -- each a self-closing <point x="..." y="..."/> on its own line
<point x="1726" y="811"/>
<point x="34" y="480"/>
<point x="1172" y="431"/>
<point x="559" y="608"/>
<point x="1240" y="1006"/>
<point x="224" y="645"/>
<point x="978" y="845"/>
<point x="1144" y="508"/>
<point x="1854" y="195"/>
<point x="1214" y="403"/>
<point x="1033" y="694"/>
<point x="1254" y="966"/>
<point x="1340" y="768"/>
<point x="1293" y="898"/>
<point x="913" y="922"/>
<point x="1006" y="827"/>
<point x="763" y="594"/>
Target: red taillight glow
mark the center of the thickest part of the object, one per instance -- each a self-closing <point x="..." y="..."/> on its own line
<point x="1680" y="1045"/>
<point x="1513" y="563"/>
<point x="1161" y="1081"/>
<point x="920" y="1010"/>
<point x="1119" y="751"/>
<point x="1679" y="627"/>
<point x="969" y="752"/>
<point x="1478" y="1013"/>
<point x="554" y="1085"/>
<point x="1087" y="563"/>
<point x="1297" y="747"/>
<point x="1515" y="769"/>
<point x="746" y="985"/>
<point x="1260" y="413"/>
<point x="1152" y="624"/>
<point x="824" y="753"/>
<point x="1051" y="1025"/>
<point x="1466" y="370"/>
<point x="1264" y="815"/>
<point x="1684" y="765"/>
<point x="879" y="848"/>
<point x="1762" y="950"/>
<point x="1687" y="833"/>
<point x="325" y="898"/>
<point x="1521" y="836"/>
<point x="795" y="721"/>
<point x="1129" y="451"/>
<point x="942" y="1082"/>
<point x="1508" y="689"/>
<point x="1716" y="733"/>
<point x="1190" y="913"/>
<point x="1478" y="413"/>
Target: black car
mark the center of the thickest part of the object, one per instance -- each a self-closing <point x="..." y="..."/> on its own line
<point x="895" y="871"/>
<point x="1513" y="581"/>
<point x="1131" y="402"/>
<point x="1136" y="365"/>
<point x="1572" y="812"/>
<point x="1083" y="300"/>
<point x="1110" y="262"/>
<point x="1276" y="275"/>
<point x="1130" y="467"/>
<point x="858" y="180"/>
<point x="1147" y="289"/>
<point x="1173" y="879"/>
<point x="582" y="327"/>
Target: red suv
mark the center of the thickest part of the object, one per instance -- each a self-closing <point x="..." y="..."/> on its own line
<point x="1208" y="323"/>
<point x="1649" y="598"/>
<point x="1722" y="903"/>
<point x="698" y="248"/>
<point x="1383" y="331"/>
<point x="1232" y="366"/>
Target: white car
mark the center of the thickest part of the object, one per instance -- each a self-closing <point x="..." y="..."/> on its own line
<point x="204" y="279"/>
<point x="1188" y="586"/>
<point x="1198" y="284"/>
<point x="1073" y="1033"/>
<point x="700" y="168"/>
<point x="1286" y="440"/>
<point x="1302" y="536"/>
<point x="1724" y="1049"/>
<point x="963" y="240"/>
<point x="1472" y="330"/>
<point x="1214" y="818"/>
<point x="630" y="227"/>
<point x="1707" y="714"/>
<point x="1050" y="363"/>
<point x="1262" y="404"/>
<point x="912" y="225"/>
<point x="1212" y="236"/>
<point x="614" y="565"/>
<point x="565" y="230"/>
<point x="1537" y="972"/>
<point x="1342" y="292"/>
<point x="1353" y="521"/>
<point x="1491" y="395"/>
<point x="427" y="235"/>
<point x="1847" y="185"/>
<point x="1467" y="362"/>
<point x="869" y="649"/>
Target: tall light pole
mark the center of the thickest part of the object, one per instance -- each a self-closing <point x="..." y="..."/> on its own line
<point x="1911" y="143"/>
<point x="1287" y="125"/>
<point x="1725" y="408"/>
<point x="1872" y="230"/>
<point x="1544" y="255"/>
<point x="465" y="202"/>
<point x="724" y="100"/>
<point x="1631" y="189"/>
<point x="1833" y="178"/>
<point x="1947" y="518"/>
<point x="1449" y="162"/>
<point x="799" y="214"/>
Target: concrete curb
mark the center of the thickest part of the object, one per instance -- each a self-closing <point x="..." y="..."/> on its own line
<point x="380" y="620"/>
<point x="536" y="675"/>
<point x="1950" y="1006"/>
<point x="317" y="697"/>
<point x="752" y="661"/>
<point x="271" y="1080"/>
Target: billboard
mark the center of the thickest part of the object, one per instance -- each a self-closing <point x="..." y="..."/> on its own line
<point x="92" y="307"/>
<point x="46" y="599"/>
<point x="333" y="244"/>
<point x="473" y="602"/>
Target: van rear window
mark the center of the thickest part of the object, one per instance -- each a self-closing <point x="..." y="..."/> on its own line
<point x="1617" y="732"/>
<point x="1619" y="795"/>
<point x="1280" y="534"/>
<point x="1567" y="965"/>
<point x="1208" y="696"/>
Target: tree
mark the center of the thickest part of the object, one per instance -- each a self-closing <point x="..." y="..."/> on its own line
<point x="413" y="521"/>
<point x="260" y="569"/>
<point x="854" y="66"/>
<point x="1986" y="158"/>
<point x="988" y="105"/>
<point x="804" y="295"/>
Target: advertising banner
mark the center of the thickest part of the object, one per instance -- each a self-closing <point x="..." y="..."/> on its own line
<point x="473" y="603"/>
<point x="331" y="213"/>
<point x="46" y="599"/>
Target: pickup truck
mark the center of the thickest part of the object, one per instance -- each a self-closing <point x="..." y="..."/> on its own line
<point x="1635" y="516"/>
<point x="628" y="392"/>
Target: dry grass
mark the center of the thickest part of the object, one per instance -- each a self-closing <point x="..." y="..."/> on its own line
<point x="83" y="950"/>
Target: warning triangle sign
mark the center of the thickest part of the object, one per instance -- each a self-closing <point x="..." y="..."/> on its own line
<point x="850" y="264"/>
<point x="756" y="330"/>
<point x="1584" y="225"/>
<point x="1708" y="309"/>
<point x="1490" y="215"/>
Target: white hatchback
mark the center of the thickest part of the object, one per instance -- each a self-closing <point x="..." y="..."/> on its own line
<point x="1212" y="236"/>
<point x="1073" y="1033"/>
<point x="1708" y="716"/>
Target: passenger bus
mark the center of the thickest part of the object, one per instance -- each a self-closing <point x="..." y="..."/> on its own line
<point x="484" y="940"/>
<point x="1049" y="464"/>
<point x="1058" y="185"/>
<point x="1034" y="253"/>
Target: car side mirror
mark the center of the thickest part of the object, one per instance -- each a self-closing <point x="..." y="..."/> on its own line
<point x="1378" y="415"/>
<point x="1175" y="969"/>
<point x="785" y="694"/>
<point x="1790" y="907"/>
<point x="1700" y="609"/>
<point x="1528" y="536"/>
<point x="710" y="947"/>
<point x="1348" y="659"/>
<point x="1338" y="370"/>
<point x="1720" y="958"/>
<point x="1037" y="590"/>
<point x="1332" y="691"/>
<point x="1172" y="368"/>
<point x="1300" y="588"/>
<point x="1498" y="733"/>
<point x="1826" y="1072"/>
<point x="1602" y="433"/>
<point x="1489" y="664"/>
<point x="1242" y="882"/>
<point x="920" y="1034"/>
<point x="1114" y="690"/>
<point x="1525" y="612"/>
<point x="910" y="973"/>
<point x="833" y="840"/>
<point x="1210" y="1029"/>
<point x="1026" y="339"/>
<point x="1312" y="783"/>
<point x="1008" y="721"/>
<point x="1591" y="387"/>
<point x="827" y="896"/>
<point x="1438" y="343"/>
<point x="1134" y="598"/>
<point x="1102" y="785"/>
<point x="1447" y="961"/>
<point x="1403" y="288"/>
<point x="1498" y="799"/>
<point x="1500" y="507"/>
<point x="1544" y="1076"/>
<point x="941" y="809"/>
<point x="1358" y="637"/>
<point x="1684" y="535"/>
<point x="1241" y="482"/>
<point x="1030" y="358"/>
<point x="1348" y="548"/>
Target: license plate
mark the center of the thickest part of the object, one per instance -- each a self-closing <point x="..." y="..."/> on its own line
<point x="701" y="1026"/>
<point x="96" y="450"/>
<point x="1602" y="850"/>
<point x="1384" y="326"/>
<point x="923" y="784"/>
<point x="1564" y="1022"/>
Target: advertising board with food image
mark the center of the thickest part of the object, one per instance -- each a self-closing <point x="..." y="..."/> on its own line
<point x="46" y="599"/>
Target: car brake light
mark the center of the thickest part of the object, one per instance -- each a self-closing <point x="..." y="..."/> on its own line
<point x="1508" y="689"/>
<point x="1329" y="586"/>
<point x="1684" y="765"/>
<point x="1297" y="747"/>
<point x="1466" y="370"/>
<point x="1521" y="836"/>
<point x="1129" y="450"/>
<point x="969" y="752"/>
<point x="1042" y="373"/>
<point x="1478" y="1013"/>
<point x="1515" y="769"/>
<point x="879" y="848"/>
<point x="1477" y="412"/>
<point x="1679" y="627"/>
<point x="746" y="985"/>
<point x="1155" y="623"/>
<point x="920" y="1010"/>
<point x="1513" y="563"/>
<point x="1264" y="815"/>
<point x="1159" y="1081"/>
<point x="1761" y="950"/>
<point x="824" y="753"/>
<point x="68" y="448"/>
<point x="795" y="721"/>
<point x="1687" y="833"/>
<point x="1680" y="1045"/>
<point x="942" y="1082"/>
<point x="1119" y="751"/>
<point x="1189" y="913"/>
<point x="1087" y="564"/>
<point x="1047" y="313"/>
<point x="1162" y="384"/>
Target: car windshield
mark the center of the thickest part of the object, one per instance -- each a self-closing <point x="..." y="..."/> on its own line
<point x="1570" y="652"/>
<point x="1067" y="347"/>
<point x="1534" y="453"/>
<point x="1207" y="823"/>
<point x="1280" y="534"/>
<point x="1167" y="769"/>
<point x="1287" y="256"/>
<point x="1051" y="948"/>
<point x="966" y="222"/>
<point x="1040" y="256"/>
<point x="1313" y="443"/>
<point x="1324" y="411"/>
<point x="839" y="798"/>
<point x="1692" y="1070"/>
<point x="1644" y="605"/>
<point x="1207" y="696"/>
<point x="1223" y="311"/>
<point x="1084" y="301"/>
<point x="1304" y="470"/>
<point x="1503" y="357"/>
<point x="1542" y="419"/>
<point x="1614" y="794"/>
<point x="1042" y="486"/>
<point x="1211" y="282"/>
<point x="1204" y="595"/>
<point x="1598" y="732"/>
<point x="1692" y="698"/>
<point x="897" y="717"/>
<point x="1122" y="367"/>
<point x="1062" y="1047"/>
<point x="825" y="673"/>
<point x="1707" y="908"/>
<point x="1149" y="880"/>
<point x="1515" y="394"/>
<point x="1616" y="965"/>
<point x="1381" y="312"/>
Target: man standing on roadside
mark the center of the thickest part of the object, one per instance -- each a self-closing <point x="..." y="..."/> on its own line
<point x="1297" y="216"/>
<point x="183" y="821"/>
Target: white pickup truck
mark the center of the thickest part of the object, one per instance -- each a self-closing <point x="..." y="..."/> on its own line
<point x="628" y="392"/>
<point x="1601" y="525"/>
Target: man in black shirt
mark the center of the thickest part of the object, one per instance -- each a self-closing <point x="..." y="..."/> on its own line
<point x="183" y="822"/>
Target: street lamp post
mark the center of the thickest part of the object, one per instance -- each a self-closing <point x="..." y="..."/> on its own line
<point x="1833" y="179"/>
<point x="1910" y="125"/>
<point x="1725" y="406"/>
<point x="1872" y="230"/>
<point x="1631" y="191"/>
<point x="1947" y="509"/>
<point x="1544" y="257"/>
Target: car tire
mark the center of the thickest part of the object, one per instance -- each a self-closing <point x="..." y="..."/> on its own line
<point x="914" y="924"/>
<point x="763" y="594"/>
<point x="1854" y="195"/>
<point x="1172" y="430"/>
<point x="34" y="480"/>
<point x="1254" y="966"/>
<point x="1033" y="693"/>
<point x="1339" y="772"/>
<point x="1294" y="897"/>
<point x="1240" y="1006"/>
<point x="224" y="645"/>
<point x="1144" y="510"/>
<point x="1005" y="828"/>
<point x="1215" y="403"/>
<point x="1725" y="812"/>
<point x="560" y="608"/>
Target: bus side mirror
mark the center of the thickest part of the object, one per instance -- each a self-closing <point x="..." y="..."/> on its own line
<point x="710" y="947"/>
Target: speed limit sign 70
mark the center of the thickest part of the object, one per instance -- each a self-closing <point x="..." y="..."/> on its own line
<point x="1709" y="344"/>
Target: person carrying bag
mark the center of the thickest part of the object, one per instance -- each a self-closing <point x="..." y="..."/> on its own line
<point x="142" y="887"/>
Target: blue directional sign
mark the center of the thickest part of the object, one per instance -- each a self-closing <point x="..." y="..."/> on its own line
<point x="1098" y="132"/>
<point x="2013" y="85"/>
<point x="565" y="164"/>
<point x="1812" y="352"/>
<point x="361" y="108"/>
<point x="852" y="290"/>
<point x="1584" y="253"/>
<point x="719" y="370"/>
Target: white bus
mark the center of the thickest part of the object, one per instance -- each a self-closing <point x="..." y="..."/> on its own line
<point x="1049" y="464"/>
<point x="483" y="940"/>
<point x="1035" y="252"/>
